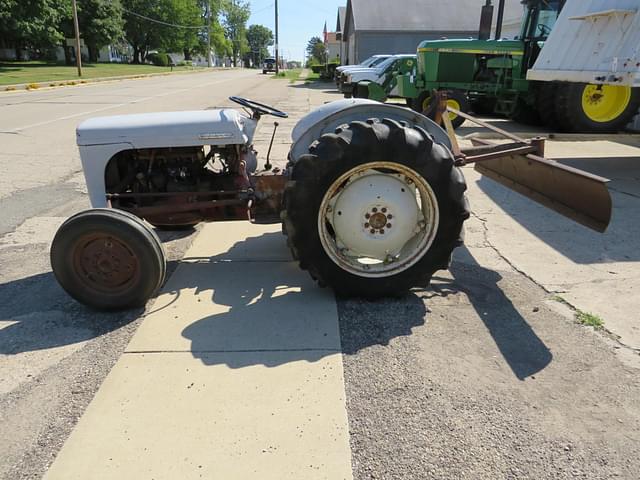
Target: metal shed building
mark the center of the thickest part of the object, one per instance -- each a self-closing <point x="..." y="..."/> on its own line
<point x="389" y="27"/>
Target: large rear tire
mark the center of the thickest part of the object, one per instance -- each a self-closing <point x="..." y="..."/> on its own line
<point x="108" y="259"/>
<point x="586" y="108"/>
<point x="546" y="104"/>
<point x="526" y="114"/>
<point x="375" y="209"/>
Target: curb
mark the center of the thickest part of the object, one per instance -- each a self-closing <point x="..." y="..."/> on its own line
<point x="75" y="82"/>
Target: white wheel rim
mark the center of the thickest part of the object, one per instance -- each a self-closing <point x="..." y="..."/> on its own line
<point x="378" y="219"/>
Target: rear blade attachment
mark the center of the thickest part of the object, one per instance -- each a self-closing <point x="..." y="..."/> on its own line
<point x="522" y="167"/>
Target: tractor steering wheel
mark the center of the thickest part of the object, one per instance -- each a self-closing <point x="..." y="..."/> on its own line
<point x="259" y="108"/>
<point x="544" y="29"/>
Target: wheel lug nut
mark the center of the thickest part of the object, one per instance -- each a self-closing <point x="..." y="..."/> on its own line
<point x="366" y="225"/>
<point x="372" y="231"/>
<point x="389" y="217"/>
<point x="384" y="210"/>
<point x="389" y="225"/>
<point x="367" y="216"/>
<point x="374" y="210"/>
<point x="382" y="231"/>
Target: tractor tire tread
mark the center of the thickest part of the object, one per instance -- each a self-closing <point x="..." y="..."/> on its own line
<point x="336" y="153"/>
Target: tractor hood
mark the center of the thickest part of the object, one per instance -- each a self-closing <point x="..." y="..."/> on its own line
<point x="168" y="129"/>
<point x="495" y="47"/>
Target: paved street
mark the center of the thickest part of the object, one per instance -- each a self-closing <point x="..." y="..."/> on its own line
<point x="484" y="375"/>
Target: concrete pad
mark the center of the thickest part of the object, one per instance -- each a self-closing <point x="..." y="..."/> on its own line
<point x="239" y="306"/>
<point x="240" y="241"/>
<point x="171" y="416"/>
<point x="236" y="373"/>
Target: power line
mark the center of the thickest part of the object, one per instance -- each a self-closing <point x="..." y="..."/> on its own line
<point x="164" y="23"/>
<point x="262" y="9"/>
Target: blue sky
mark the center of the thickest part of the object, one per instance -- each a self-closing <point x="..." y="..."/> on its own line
<point x="299" y="21"/>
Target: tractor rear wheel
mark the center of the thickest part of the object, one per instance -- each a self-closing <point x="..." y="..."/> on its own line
<point x="108" y="259"/>
<point x="456" y="99"/>
<point x="375" y="209"/>
<point x="592" y="108"/>
<point x="526" y="114"/>
<point x="484" y="106"/>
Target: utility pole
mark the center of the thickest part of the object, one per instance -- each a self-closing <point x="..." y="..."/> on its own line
<point x="209" y="62"/>
<point x="77" y="29"/>
<point x="277" y="54"/>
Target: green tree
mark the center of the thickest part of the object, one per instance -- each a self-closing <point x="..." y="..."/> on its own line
<point x="259" y="38"/>
<point x="185" y="37"/>
<point x="100" y="23"/>
<point x="141" y="33"/>
<point x="235" y="16"/>
<point x="317" y="50"/>
<point x="32" y="24"/>
<point x="159" y="24"/>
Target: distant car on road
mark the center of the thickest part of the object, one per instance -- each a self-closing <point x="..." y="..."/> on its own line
<point x="269" y="65"/>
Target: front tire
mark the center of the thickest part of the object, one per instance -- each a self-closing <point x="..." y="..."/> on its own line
<point x="340" y="192"/>
<point x="108" y="259"/>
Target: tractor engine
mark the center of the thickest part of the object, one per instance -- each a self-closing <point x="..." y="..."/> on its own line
<point x="177" y="186"/>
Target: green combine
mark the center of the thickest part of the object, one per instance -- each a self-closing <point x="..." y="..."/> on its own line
<point x="489" y="77"/>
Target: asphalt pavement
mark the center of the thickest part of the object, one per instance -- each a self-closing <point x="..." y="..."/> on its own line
<point x="484" y="375"/>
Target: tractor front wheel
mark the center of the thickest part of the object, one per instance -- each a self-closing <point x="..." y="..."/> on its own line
<point x="596" y="108"/>
<point x="108" y="259"/>
<point x="375" y="209"/>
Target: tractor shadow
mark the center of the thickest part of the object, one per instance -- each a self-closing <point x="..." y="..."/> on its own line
<point x="39" y="315"/>
<point x="273" y="313"/>
<point x="266" y="311"/>
<point x="621" y="241"/>
<point x="522" y="349"/>
<point x="269" y="312"/>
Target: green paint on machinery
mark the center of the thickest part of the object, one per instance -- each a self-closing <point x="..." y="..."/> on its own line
<point x="489" y="77"/>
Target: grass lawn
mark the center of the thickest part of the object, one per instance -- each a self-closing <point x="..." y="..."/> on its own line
<point x="42" y="72"/>
<point x="291" y="75"/>
<point x="312" y="77"/>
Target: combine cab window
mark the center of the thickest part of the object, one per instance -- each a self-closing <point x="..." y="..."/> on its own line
<point x="541" y="17"/>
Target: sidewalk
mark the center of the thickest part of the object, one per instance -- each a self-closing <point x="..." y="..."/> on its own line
<point x="236" y="373"/>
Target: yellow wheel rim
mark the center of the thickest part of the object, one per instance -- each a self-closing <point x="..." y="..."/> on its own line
<point x="605" y="103"/>
<point x="450" y="103"/>
<point x="453" y="104"/>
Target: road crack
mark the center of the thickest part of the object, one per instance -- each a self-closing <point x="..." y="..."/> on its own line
<point x="488" y="244"/>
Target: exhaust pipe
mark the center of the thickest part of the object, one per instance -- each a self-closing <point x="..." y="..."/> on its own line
<point x="486" y="18"/>
<point x="500" y="20"/>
